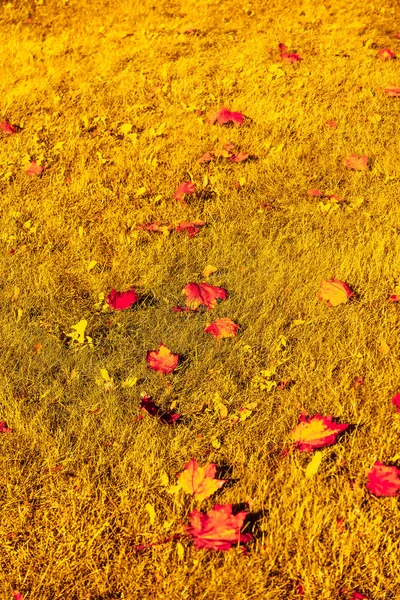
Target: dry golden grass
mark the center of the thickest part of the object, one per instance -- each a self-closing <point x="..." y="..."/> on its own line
<point x="74" y="72"/>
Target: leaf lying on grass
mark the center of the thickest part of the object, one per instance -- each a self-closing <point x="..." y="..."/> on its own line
<point x="316" y="432"/>
<point x="224" y="116"/>
<point x="222" y="328"/>
<point x="198" y="481"/>
<point x="383" y="480"/>
<point x="4" y="428"/>
<point x="335" y="292"/>
<point x="218" y="529"/>
<point x="203" y="294"/>
<point x="162" y="360"/>
<point x="147" y="404"/>
<point x="122" y="300"/>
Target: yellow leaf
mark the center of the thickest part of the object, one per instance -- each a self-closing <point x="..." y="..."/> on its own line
<point x="375" y="119"/>
<point x="215" y="443"/>
<point x="91" y="265"/>
<point x="79" y="331"/>
<point x="180" y="550"/>
<point x="125" y="128"/>
<point x="129" y="382"/>
<point x="383" y="347"/>
<point x="140" y="192"/>
<point x="242" y="181"/>
<point x="209" y="270"/>
<point x="164" y="479"/>
<point x="16" y="294"/>
<point x="313" y="465"/>
<point x="104" y="375"/>
<point x="152" y="513"/>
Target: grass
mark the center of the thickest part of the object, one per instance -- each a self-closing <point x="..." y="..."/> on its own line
<point x="79" y="468"/>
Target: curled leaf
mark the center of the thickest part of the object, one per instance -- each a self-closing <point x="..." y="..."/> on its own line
<point x="224" y="115"/>
<point x="162" y="360"/>
<point x="218" y="529"/>
<point x="185" y="187"/>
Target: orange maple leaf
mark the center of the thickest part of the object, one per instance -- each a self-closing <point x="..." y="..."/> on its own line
<point x="222" y="328"/>
<point x="316" y="432"/>
<point x="162" y="360"/>
<point x="34" y="168"/>
<point x="203" y="294"/>
<point x="335" y="292"/>
<point x="386" y="54"/>
<point x="199" y="481"/>
<point x="356" y="163"/>
<point x="218" y="529"/>
<point x="185" y="187"/>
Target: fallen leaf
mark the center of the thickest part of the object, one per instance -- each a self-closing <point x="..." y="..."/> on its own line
<point x="282" y="47"/>
<point x="384" y="348"/>
<point x="383" y="480"/>
<point x="313" y="465"/>
<point x="192" y="228"/>
<point x="155" y="226"/>
<point x="335" y="292"/>
<point x="162" y="360"/>
<point x="218" y="529"/>
<point x="7" y="128"/>
<point x="239" y="157"/>
<point x="122" y="300"/>
<point x="222" y="328"/>
<point x="78" y="334"/>
<point x="147" y="404"/>
<point x="396" y="401"/>
<point x="386" y="54"/>
<point x="4" y="428"/>
<point x="151" y="512"/>
<point x="314" y="192"/>
<point x="224" y="115"/>
<point x="316" y="432"/>
<point x="331" y="124"/>
<point x="203" y="294"/>
<point x="209" y="270"/>
<point x="198" y="481"/>
<point x="392" y="91"/>
<point x="356" y="163"/>
<point x="290" y="57"/>
<point x="34" y="168"/>
<point x="38" y="348"/>
<point x="358" y="596"/>
<point x="17" y="595"/>
<point x="185" y="187"/>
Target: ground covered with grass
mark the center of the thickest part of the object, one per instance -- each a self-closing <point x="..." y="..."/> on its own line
<point x="112" y="99"/>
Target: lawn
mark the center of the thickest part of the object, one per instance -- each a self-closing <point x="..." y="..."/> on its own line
<point x="106" y="108"/>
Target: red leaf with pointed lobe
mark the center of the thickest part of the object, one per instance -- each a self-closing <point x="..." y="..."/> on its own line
<point x="192" y="228"/>
<point x="185" y="187"/>
<point x="392" y="91"/>
<point x="386" y="54"/>
<point x="335" y="292"/>
<point x="218" y="529"/>
<point x="314" y="192"/>
<point x="199" y="481"/>
<point x="162" y="360"/>
<point x="224" y="115"/>
<point x="396" y="401"/>
<point x="8" y="129"/>
<point x="290" y="57"/>
<point x="34" y="168"/>
<point x="4" y="428"/>
<point x="122" y="300"/>
<point x="222" y="328"/>
<point x="147" y="404"/>
<point x="316" y="432"/>
<point x="383" y="480"/>
<point x="356" y="163"/>
<point x="203" y="294"/>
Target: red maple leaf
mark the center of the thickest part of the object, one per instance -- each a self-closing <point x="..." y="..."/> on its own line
<point x="222" y="328"/>
<point x="147" y="404"/>
<point x="335" y="292"/>
<point x="17" y="595"/>
<point x="314" y="192"/>
<point x="218" y="529"/>
<point x="122" y="300"/>
<point x="316" y="432"/>
<point x="356" y="163"/>
<point x="185" y="187"/>
<point x="34" y="168"/>
<point x="7" y="128"/>
<point x="358" y="596"/>
<point x="162" y="360"/>
<point x="392" y="91"/>
<point x="4" y="428"/>
<point x="289" y="57"/>
<point x="396" y="401"/>
<point x="203" y="294"/>
<point x="224" y="115"/>
<point x="199" y="481"/>
<point x="192" y="228"/>
<point x="383" y="480"/>
<point x="239" y="157"/>
<point x="386" y="54"/>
